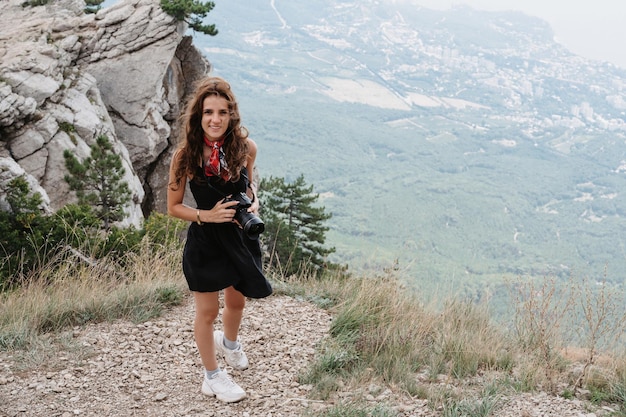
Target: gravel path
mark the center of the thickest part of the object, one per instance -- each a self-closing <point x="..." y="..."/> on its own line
<point x="153" y="369"/>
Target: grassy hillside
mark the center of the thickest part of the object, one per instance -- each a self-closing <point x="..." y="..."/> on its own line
<point x="381" y="335"/>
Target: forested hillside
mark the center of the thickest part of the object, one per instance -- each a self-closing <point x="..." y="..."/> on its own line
<point x="456" y="146"/>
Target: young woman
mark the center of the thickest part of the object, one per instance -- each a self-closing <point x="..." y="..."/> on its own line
<point x="216" y="158"/>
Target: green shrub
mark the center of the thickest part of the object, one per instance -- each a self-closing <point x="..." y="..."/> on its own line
<point x="163" y="229"/>
<point x="22" y="230"/>
<point x="33" y="3"/>
<point x="92" y="6"/>
<point x="67" y="127"/>
<point x="119" y="241"/>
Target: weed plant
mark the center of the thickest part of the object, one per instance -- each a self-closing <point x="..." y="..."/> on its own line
<point x="356" y="410"/>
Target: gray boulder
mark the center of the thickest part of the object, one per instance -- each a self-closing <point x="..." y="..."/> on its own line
<point x="67" y="77"/>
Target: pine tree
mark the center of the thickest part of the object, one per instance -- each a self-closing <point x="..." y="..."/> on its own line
<point x="98" y="181"/>
<point x="295" y="233"/>
<point x="192" y="12"/>
<point x="19" y="224"/>
<point x="92" y="6"/>
<point x="20" y="230"/>
<point x="25" y="205"/>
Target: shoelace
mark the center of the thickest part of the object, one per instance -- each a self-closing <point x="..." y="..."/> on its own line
<point x="226" y="379"/>
<point x="238" y="354"/>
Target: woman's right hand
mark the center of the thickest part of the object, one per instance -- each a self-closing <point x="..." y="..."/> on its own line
<point x="222" y="212"/>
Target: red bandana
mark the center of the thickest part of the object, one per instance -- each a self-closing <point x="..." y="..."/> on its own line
<point x="216" y="165"/>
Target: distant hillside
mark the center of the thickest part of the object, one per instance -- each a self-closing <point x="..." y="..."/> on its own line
<point x="466" y="145"/>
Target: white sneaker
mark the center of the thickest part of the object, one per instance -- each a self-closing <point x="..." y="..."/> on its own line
<point x="223" y="388"/>
<point x="235" y="358"/>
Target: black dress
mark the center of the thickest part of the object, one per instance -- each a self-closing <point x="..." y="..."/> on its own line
<point x="218" y="255"/>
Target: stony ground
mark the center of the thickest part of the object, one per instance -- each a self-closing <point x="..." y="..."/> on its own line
<point x="153" y="369"/>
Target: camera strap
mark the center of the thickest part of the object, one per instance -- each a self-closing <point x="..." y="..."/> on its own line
<point x="215" y="189"/>
<point x="208" y="181"/>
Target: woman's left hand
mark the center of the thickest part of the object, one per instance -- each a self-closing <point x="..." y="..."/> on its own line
<point x="254" y="208"/>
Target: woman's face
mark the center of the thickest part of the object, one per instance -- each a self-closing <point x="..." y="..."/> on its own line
<point x="215" y="117"/>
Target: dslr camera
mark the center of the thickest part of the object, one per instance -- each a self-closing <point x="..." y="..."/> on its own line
<point x="252" y="225"/>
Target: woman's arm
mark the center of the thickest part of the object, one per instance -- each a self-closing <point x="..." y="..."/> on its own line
<point x="252" y="191"/>
<point x="220" y="213"/>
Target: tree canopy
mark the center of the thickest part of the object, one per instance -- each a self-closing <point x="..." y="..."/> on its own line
<point x="192" y="12"/>
<point x="92" y="6"/>
<point x="98" y="181"/>
<point x="295" y="232"/>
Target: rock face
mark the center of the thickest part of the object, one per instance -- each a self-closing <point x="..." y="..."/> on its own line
<point x="67" y="77"/>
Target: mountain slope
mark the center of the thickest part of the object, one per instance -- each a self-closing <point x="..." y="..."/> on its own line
<point x="466" y="145"/>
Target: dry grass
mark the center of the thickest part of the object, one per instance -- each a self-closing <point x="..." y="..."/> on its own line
<point x="68" y="291"/>
<point x="382" y="334"/>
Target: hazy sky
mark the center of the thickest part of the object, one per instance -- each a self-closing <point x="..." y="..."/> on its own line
<point x="594" y="29"/>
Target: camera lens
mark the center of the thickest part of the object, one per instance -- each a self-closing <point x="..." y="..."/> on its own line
<point x="252" y="225"/>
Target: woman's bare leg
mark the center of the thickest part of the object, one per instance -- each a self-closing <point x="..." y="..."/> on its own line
<point x="234" y="303"/>
<point x="207" y="308"/>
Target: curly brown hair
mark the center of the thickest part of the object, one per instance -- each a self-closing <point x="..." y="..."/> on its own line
<point x="192" y="136"/>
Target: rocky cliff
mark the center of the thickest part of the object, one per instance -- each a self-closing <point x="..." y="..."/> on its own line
<point x="67" y="77"/>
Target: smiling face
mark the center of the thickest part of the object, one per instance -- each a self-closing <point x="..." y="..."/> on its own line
<point x="215" y="117"/>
